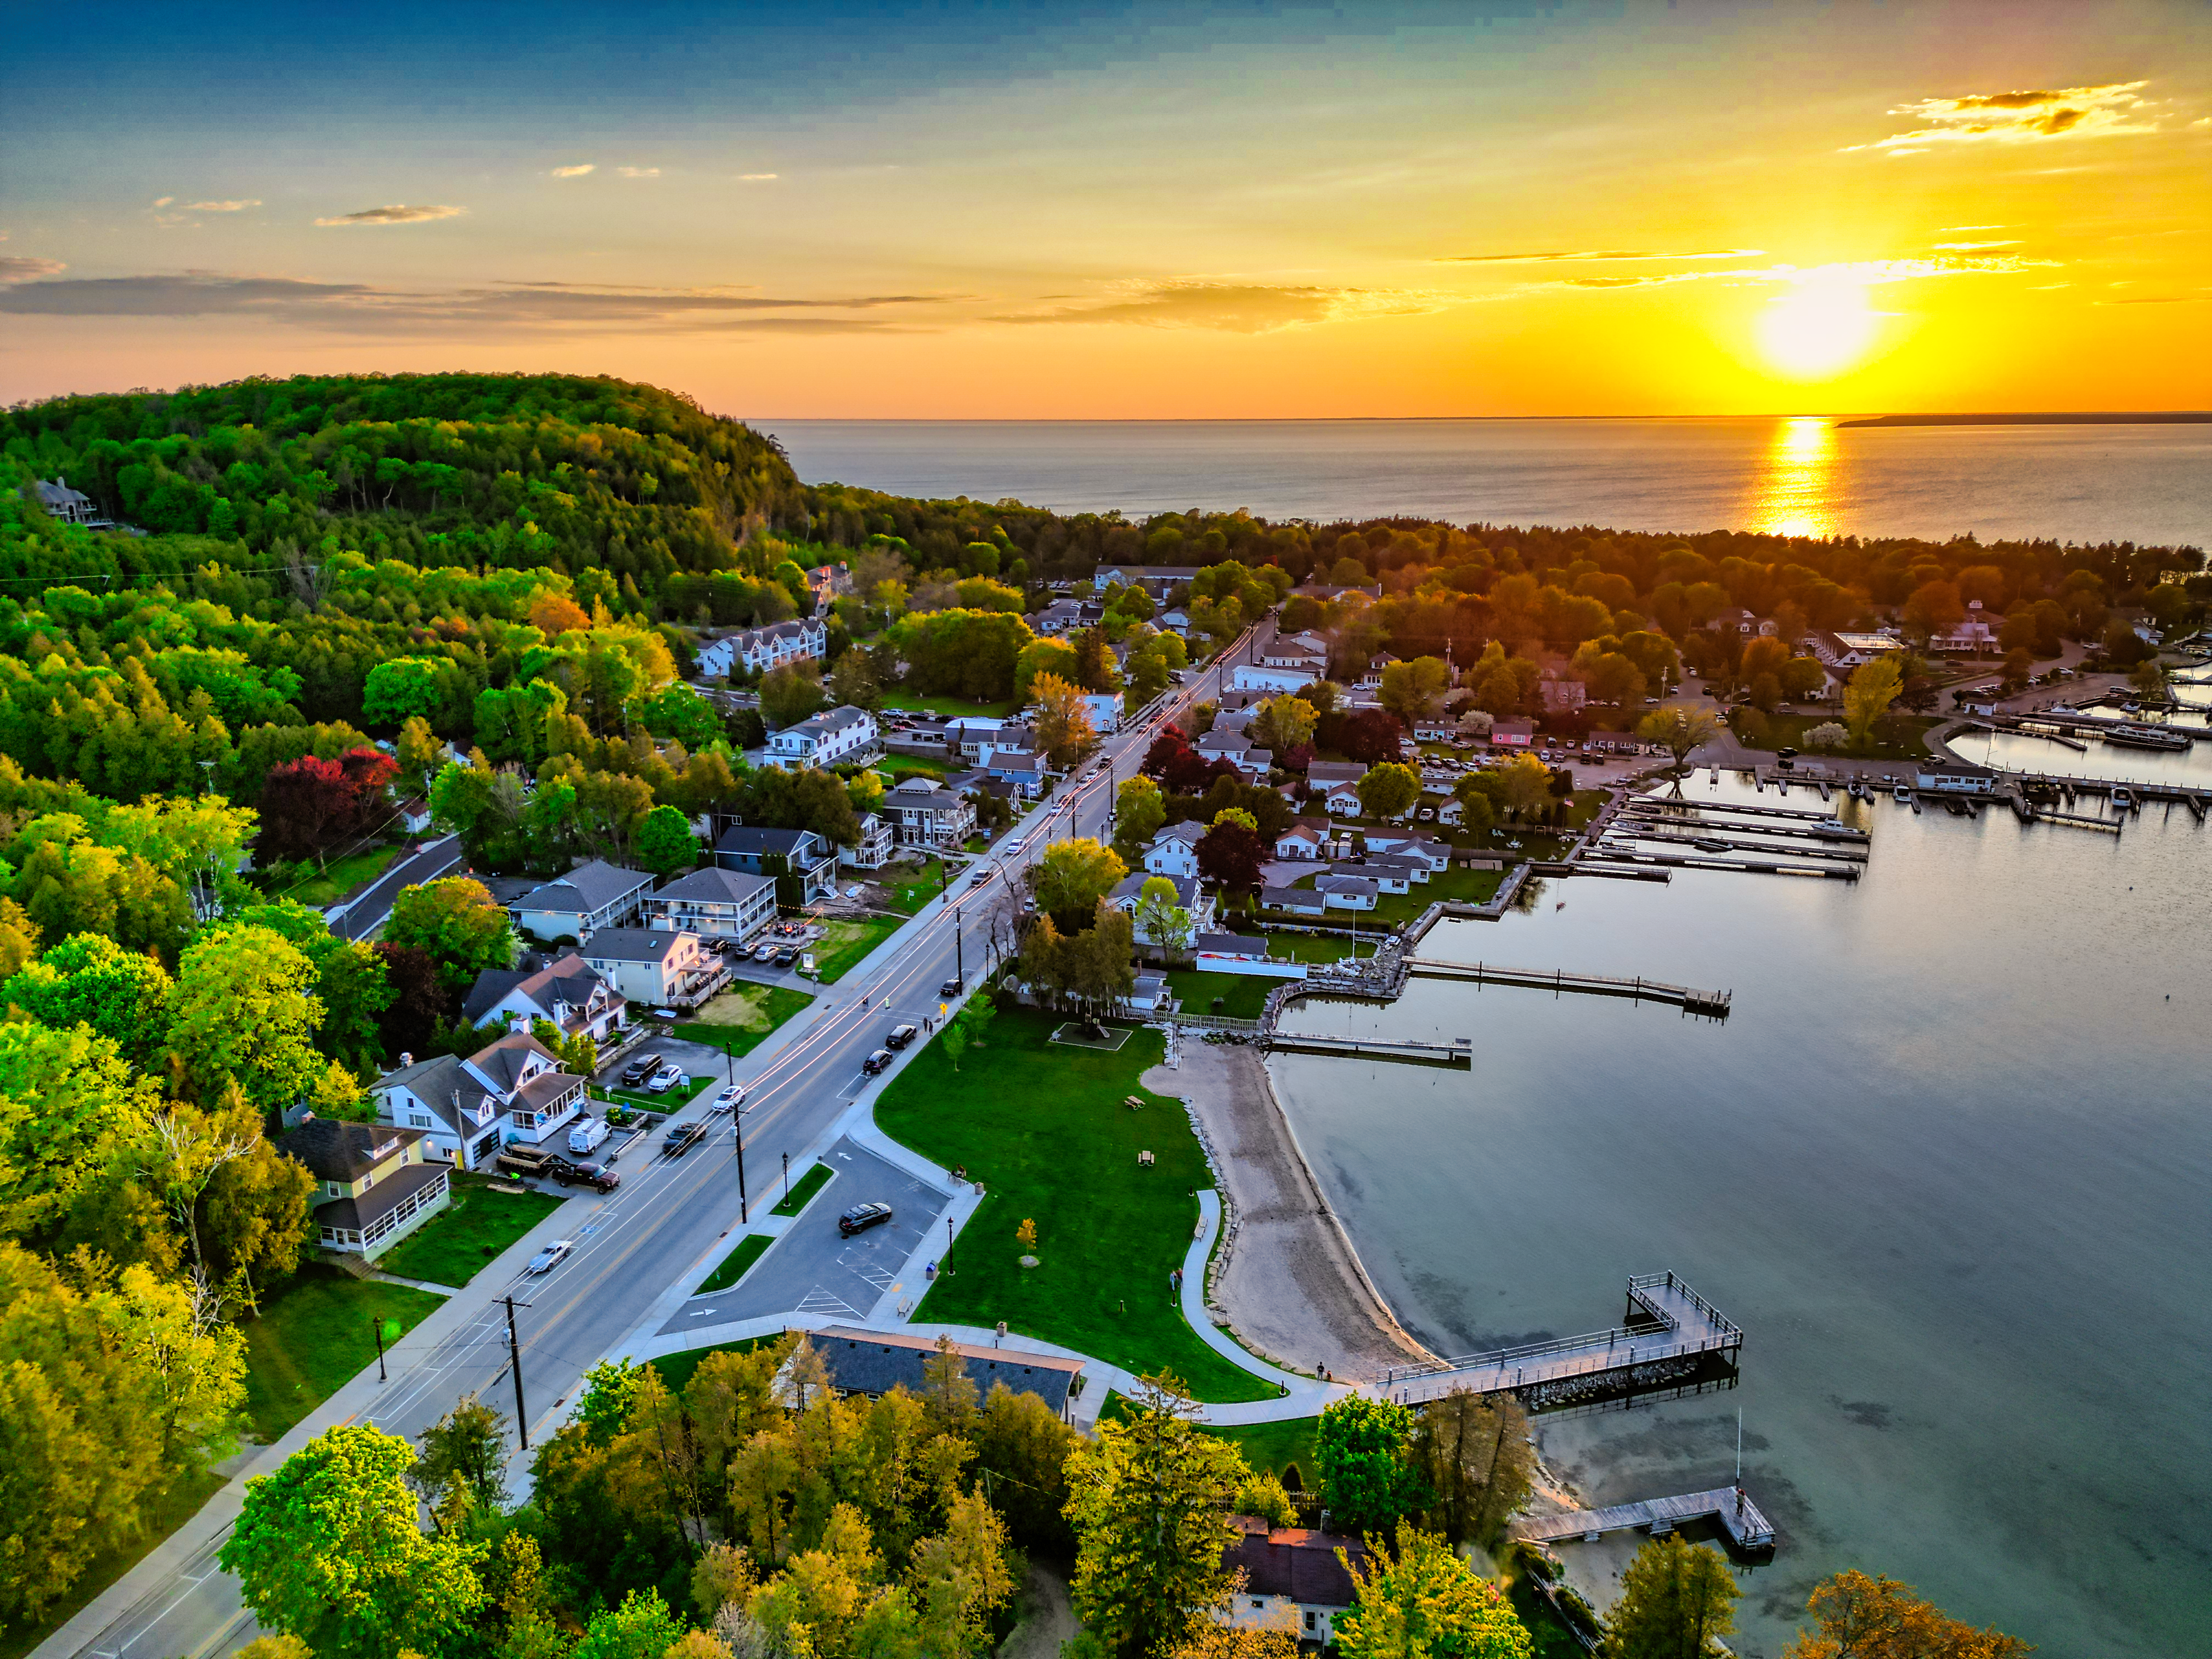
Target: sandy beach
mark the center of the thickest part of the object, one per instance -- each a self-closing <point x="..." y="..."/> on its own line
<point x="1293" y="1290"/>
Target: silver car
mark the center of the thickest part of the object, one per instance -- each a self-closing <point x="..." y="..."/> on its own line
<point x="552" y="1255"/>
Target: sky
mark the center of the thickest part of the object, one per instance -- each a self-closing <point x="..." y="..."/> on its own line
<point x="955" y="210"/>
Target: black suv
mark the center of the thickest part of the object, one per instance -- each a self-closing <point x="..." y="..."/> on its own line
<point x="596" y="1177"/>
<point x="861" y="1217"/>
<point x="683" y="1138"/>
<point x="900" y="1037"/>
<point x="639" y="1069"/>
<point x="876" y="1062"/>
<point x="952" y="987"/>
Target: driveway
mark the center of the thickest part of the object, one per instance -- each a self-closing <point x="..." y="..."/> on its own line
<point x="810" y="1269"/>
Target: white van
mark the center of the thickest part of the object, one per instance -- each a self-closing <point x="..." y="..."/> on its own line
<point x="586" y="1133"/>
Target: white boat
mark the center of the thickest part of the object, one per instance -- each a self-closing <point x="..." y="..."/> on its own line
<point x="1902" y="794"/>
<point x="1836" y="829"/>
<point x="2121" y="797"/>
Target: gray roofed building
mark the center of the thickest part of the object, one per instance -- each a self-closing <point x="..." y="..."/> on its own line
<point x="69" y="506"/>
<point x="724" y="903"/>
<point x="566" y="991"/>
<point x="1297" y="901"/>
<point x="592" y="896"/>
<point x="376" y="1186"/>
<point x="514" y="1090"/>
<point x="802" y="853"/>
<point x="1348" y="892"/>
<point x="1293" y="1571"/>
<point x="875" y="1362"/>
<point x="1321" y="774"/>
<point x="1232" y="945"/>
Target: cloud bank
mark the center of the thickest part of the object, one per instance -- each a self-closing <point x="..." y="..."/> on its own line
<point x="2018" y="118"/>
<point x="20" y="268"/>
<point x="397" y="214"/>
<point x="221" y="207"/>
<point x="1234" y="307"/>
<point x="576" y="172"/>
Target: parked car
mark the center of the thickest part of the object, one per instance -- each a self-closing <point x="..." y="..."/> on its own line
<point x="952" y="987"/>
<point x="901" y="1036"/>
<point x="731" y="1097"/>
<point x="639" y="1069"/>
<point x="786" y="955"/>
<point x="665" y="1079"/>
<point x="876" y="1062"/>
<point x="552" y="1255"/>
<point x="861" y="1217"/>
<point x="683" y="1138"/>
<point x="586" y="1133"/>
<point x="765" y="953"/>
<point x="598" y="1176"/>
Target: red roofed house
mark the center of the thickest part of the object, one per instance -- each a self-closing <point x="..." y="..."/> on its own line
<point x="1292" y="1579"/>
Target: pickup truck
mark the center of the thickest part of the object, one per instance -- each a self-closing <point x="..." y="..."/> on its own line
<point x="534" y="1163"/>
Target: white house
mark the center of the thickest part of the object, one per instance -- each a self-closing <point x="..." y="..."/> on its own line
<point x="1954" y="778"/>
<point x="716" y="658"/>
<point x="714" y="903"/>
<point x="925" y="813"/>
<point x="1346" y="892"/>
<point x="1106" y="710"/>
<point x="1848" y="651"/>
<point x="654" y="965"/>
<point x="1188" y="895"/>
<point x="1341" y="800"/>
<point x="779" y="645"/>
<point x="69" y="506"/>
<point x="836" y="736"/>
<point x="1303" y="840"/>
<point x="593" y="895"/>
<point x="877" y="847"/>
<point x="1174" y="851"/>
<point x="512" y="1090"/>
<point x="1176" y="622"/>
<point x="1292" y="1580"/>
<point x="1293" y="901"/>
<point x="372" y="1185"/>
<point x="1240" y="953"/>
<point x="1976" y="632"/>
<point x="1258" y="677"/>
<point x="1406" y="844"/>
<point x="1390" y="875"/>
<point x="566" y="992"/>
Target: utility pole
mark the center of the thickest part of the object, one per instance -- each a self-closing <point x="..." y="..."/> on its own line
<point x="786" y="1177"/>
<point x="514" y="1358"/>
<point x="738" y="1122"/>
<point x="376" y="1325"/>
<point x="959" y="950"/>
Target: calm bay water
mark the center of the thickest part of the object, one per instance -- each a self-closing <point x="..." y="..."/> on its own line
<point x="1947" y="1164"/>
<point x="1799" y="475"/>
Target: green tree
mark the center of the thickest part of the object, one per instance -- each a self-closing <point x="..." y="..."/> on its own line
<point x="1072" y="877"/>
<point x="677" y="712"/>
<point x="1389" y="791"/>
<point x="1425" y="1601"/>
<point x="419" y="752"/>
<point x="1140" y="810"/>
<point x="1475" y="1452"/>
<point x="70" y="1102"/>
<point x="1149" y="1499"/>
<point x="1162" y="921"/>
<point x="1680" y="728"/>
<point x="455" y="922"/>
<point x="1368" y="1478"/>
<point x="328" y="1549"/>
<point x="1676" y="1600"/>
<point x="1478" y="810"/>
<point x="788" y="697"/>
<point x="463" y="1453"/>
<point x="1063" y="725"/>
<point x="404" y="688"/>
<point x="1047" y="656"/>
<point x="642" y="1627"/>
<point x="1094" y="662"/>
<point x="1284" y="722"/>
<point x="665" y="842"/>
<point x="89" y="979"/>
<point x="1868" y="694"/>
<point x="1410" y="690"/>
<point x="241" y="1015"/>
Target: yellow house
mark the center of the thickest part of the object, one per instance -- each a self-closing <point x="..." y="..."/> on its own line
<point x="372" y="1187"/>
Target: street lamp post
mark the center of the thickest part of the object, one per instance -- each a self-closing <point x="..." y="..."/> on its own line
<point x="738" y="1122"/>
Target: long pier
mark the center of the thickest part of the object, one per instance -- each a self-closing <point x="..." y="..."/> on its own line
<point x="1717" y="861"/>
<point x="1678" y="1337"/>
<point x="1743" y="1520"/>
<point x="1459" y="1052"/>
<point x="1715" y="1003"/>
<point x="1689" y="835"/>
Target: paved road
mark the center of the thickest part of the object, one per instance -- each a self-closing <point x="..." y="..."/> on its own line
<point x="669" y="1218"/>
<point x="438" y="858"/>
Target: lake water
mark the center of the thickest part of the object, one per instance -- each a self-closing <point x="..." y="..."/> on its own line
<point x="1949" y="1164"/>
<point x="1799" y="475"/>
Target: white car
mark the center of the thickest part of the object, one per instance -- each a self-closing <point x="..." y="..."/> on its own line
<point x="1014" y="846"/>
<point x="664" y="1080"/>
<point x="729" y="1100"/>
<point x="552" y="1255"/>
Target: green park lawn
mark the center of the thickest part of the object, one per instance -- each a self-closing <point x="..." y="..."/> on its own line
<point x="750" y="1249"/>
<point x="1271" y="1447"/>
<point x="945" y="706"/>
<point x="1457" y="884"/>
<point x="844" y="944"/>
<point x="162" y="1515"/>
<point x="461" y="1240"/>
<point x="739" y="1020"/>
<point x="314" y="1334"/>
<point x="1895" y="737"/>
<point x="1044" y="1125"/>
<point x="341" y="876"/>
<point x="899" y="767"/>
<point x="1243" y="996"/>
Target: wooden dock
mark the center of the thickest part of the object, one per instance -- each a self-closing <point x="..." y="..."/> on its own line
<point x="1678" y="1336"/>
<point x="1458" y="1052"/>
<point x="1691" y="834"/>
<point x="1746" y="1526"/>
<point x="1557" y="980"/>
<point x="1691" y="803"/>
<point x="1720" y="861"/>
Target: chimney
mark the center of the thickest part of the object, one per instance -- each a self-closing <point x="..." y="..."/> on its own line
<point x="305" y="1118"/>
<point x="405" y="1059"/>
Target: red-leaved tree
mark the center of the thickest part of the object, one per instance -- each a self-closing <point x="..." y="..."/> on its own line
<point x="309" y="804"/>
<point x="1231" y="854"/>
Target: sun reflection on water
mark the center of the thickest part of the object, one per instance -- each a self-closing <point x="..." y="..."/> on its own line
<point x="1792" y="494"/>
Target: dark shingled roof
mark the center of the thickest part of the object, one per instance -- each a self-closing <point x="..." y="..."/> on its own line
<point x="334" y="1149"/>
<point x="1294" y="1562"/>
<point x="875" y="1362"/>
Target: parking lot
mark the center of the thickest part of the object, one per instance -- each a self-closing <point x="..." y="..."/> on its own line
<point x="812" y="1269"/>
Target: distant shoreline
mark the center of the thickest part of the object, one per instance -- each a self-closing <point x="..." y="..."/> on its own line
<point x="2092" y="417"/>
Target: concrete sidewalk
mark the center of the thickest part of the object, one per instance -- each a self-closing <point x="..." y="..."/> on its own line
<point x="154" y="1578"/>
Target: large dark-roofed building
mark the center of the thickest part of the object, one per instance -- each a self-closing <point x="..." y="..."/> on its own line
<point x="876" y="1362"/>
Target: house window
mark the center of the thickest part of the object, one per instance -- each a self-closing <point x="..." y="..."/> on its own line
<point x="418" y="1121"/>
<point x="1310" y="1621"/>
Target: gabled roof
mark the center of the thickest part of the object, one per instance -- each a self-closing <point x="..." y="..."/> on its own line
<point x="1183" y="830"/>
<point x="829" y="722"/>
<point x="1321" y="772"/>
<point x="1131" y="888"/>
<point x="1351" y="886"/>
<point x="503" y="1062"/>
<point x="568" y="979"/>
<point x="634" y="944"/>
<point x="334" y="1149"/>
<point x="712" y="885"/>
<point x="585" y="888"/>
<point x="1294" y="1562"/>
<point x="752" y="841"/>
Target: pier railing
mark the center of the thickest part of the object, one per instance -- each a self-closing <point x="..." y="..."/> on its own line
<point x="1668" y="1281"/>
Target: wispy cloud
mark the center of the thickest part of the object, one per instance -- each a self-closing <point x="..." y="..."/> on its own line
<point x="1863" y="272"/>
<point x="20" y="268"/>
<point x="639" y="173"/>
<point x="397" y="214"/>
<point x="1593" y="254"/>
<point x="1234" y="307"/>
<point x="753" y="177"/>
<point x="361" y="308"/>
<point x="221" y="207"/>
<point x="1974" y="247"/>
<point x="576" y="172"/>
<point x="163" y="201"/>
<point x="2015" y="117"/>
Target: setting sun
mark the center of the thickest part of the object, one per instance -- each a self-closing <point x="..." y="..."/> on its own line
<point x="1821" y="325"/>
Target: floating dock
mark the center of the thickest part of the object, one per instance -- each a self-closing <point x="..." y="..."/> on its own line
<point x="1746" y="1526"/>
<point x="1458" y="1052"/>
<point x="1714" y="1003"/>
<point x="1678" y="1339"/>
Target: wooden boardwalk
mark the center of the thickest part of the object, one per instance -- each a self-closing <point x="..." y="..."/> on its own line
<point x="1715" y="1003"/>
<point x="1683" y="1333"/>
<point x="1748" y="1528"/>
<point x="1459" y="1052"/>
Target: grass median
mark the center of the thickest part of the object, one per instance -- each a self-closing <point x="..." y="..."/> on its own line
<point x="803" y="1191"/>
<point x="1044" y="1125"/>
<point x="461" y="1240"/>
<point x="751" y="1249"/>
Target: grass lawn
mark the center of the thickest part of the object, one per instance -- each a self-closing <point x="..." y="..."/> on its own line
<point x="1243" y="996"/>
<point x="1896" y="737"/>
<point x="341" y="876"/>
<point x="162" y="1516"/>
<point x="1458" y="884"/>
<point x="946" y="706"/>
<point x="750" y="1249"/>
<point x="741" y="1018"/>
<point x="1315" y="947"/>
<point x="454" y="1245"/>
<point x="1043" y="1127"/>
<point x="315" y="1334"/>
<point x="898" y="768"/>
<point x="908" y="887"/>
<point x="1271" y="1447"/>
<point x="844" y="944"/>
<point x="676" y="1368"/>
<point x="802" y="1190"/>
